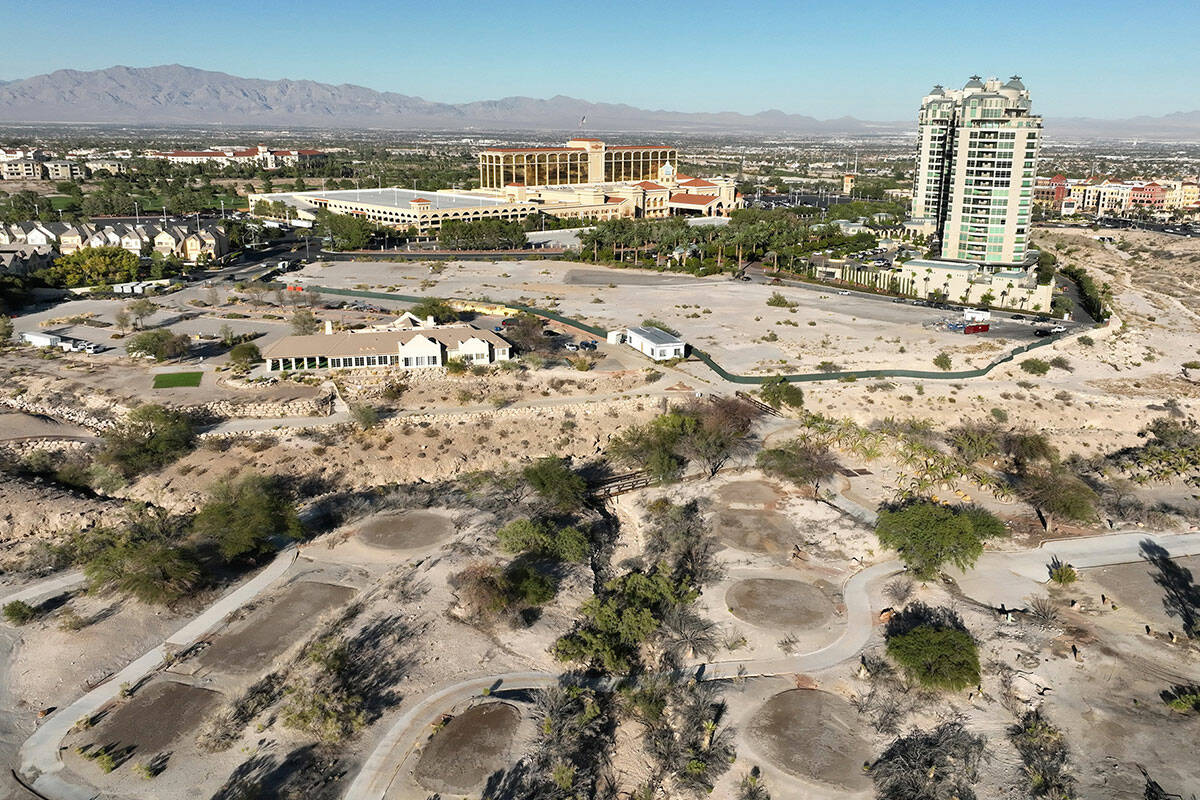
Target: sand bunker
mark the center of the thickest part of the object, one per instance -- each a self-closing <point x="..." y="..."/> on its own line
<point x="748" y="493"/>
<point x="756" y="531"/>
<point x="405" y="531"/>
<point x="812" y="735"/>
<point x="155" y="717"/>
<point x="271" y="629"/>
<point x="780" y="604"/>
<point x="469" y="749"/>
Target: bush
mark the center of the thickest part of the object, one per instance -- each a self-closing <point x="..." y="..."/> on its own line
<point x="1062" y="574"/>
<point x="440" y="310"/>
<point x="778" y="392"/>
<point x="18" y="612"/>
<point x="244" y="355"/>
<point x="777" y="300"/>
<point x="243" y="515"/>
<point x="942" y="362"/>
<point x="928" y="535"/>
<point x="1035" y="366"/>
<point x="558" y="486"/>
<point x="939" y="764"/>
<point x="455" y="366"/>
<point x="150" y="437"/>
<point x="804" y="463"/>
<point x="1061" y="362"/>
<point x="364" y="416"/>
<point x="159" y="343"/>
<point x="542" y="538"/>
<point x="933" y="647"/>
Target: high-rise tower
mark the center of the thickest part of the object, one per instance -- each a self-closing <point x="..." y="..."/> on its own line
<point x="977" y="160"/>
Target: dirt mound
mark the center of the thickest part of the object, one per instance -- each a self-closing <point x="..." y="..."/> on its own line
<point x="155" y="717"/>
<point x="748" y="493"/>
<point x="271" y="629"/>
<point x="756" y="531"/>
<point x="812" y="735"/>
<point x="469" y="749"/>
<point x="780" y="604"/>
<point x="405" y="531"/>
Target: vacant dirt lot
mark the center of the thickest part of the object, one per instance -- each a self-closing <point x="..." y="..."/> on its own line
<point x="154" y="718"/>
<point x="405" y="531"/>
<point x="269" y="630"/>
<point x="813" y="735"/>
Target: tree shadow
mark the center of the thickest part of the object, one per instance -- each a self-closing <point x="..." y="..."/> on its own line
<point x="1181" y="595"/>
<point x="305" y="772"/>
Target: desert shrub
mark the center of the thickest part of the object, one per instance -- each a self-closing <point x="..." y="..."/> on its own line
<point x="933" y="646"/>
<point x="802" y="462"/>
<point x="939" y="764"/>
<point x="556" y="484"/>
<point x="1035" y="366"/>
<point x="1086" y="340"/>
<point x="243" y="515"/>
<point x="455" y="366"/>
<point x="928" y="535"/>
<point x="541" y="537"/>
<point x="160" y="343"/>
<point x="1061" y="362"/>
<point x="18" y="612"/>
<point x="942" y="362"/>
<point x="778" y="392"/>
<point x="149" y="437"/>
<point x="1183" y="698"/>
<point x="777" y="300"/>
<point x="1043" y="750"/>
<point x="1062" y="574"/>
<point x="364" y="416"/>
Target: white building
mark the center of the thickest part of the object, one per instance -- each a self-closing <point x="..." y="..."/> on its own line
<point x="977" y="163"/>
<point x="405" y="349"/>
<point x="655" y="343"/>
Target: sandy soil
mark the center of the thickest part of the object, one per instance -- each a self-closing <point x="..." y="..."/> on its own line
<point x="406" y="530"/>
<point x="812" y="734"/>
<point x="779" y="604"/>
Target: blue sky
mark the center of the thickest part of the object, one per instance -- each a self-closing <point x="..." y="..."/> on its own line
<point x="868" y="59"/>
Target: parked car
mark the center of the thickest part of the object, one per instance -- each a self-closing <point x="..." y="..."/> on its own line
<point x="1058" y="329"/>
<point x="843" y="291"/>
<point x="1017" y="316"/>
<point x="1041" y="332"/>
<point x="571" y="346"/>
<point x="549" y="332"/>
<point x="498" y="329"/>
<point x="588" y="345"/>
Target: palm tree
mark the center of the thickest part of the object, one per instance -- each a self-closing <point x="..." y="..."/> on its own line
<point x="684" y="634"/>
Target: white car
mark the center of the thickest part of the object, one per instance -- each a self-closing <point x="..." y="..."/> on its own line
<point x="843" y="291"/>
<point x="1058" y="329"/>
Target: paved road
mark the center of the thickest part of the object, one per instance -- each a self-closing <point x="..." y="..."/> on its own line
<point x="39" y="759"/>
<point x="993" y="570"/>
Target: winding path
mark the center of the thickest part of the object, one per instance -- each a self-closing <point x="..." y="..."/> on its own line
<point x="1025" y="568"/>
<point x="40" y="760"/>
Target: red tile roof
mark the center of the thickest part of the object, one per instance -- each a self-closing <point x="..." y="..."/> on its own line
<point x="614" y="199"/>
<point x="693" y="199"/>
<point x="697" y="182"/>
<point x="649" y="185"/>
<point x="419" y="200"/>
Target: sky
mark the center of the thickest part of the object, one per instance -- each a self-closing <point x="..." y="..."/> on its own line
<point x="867" y="59"/>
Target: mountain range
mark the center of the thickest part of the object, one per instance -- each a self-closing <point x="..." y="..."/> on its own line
<point x="179" y="95"/>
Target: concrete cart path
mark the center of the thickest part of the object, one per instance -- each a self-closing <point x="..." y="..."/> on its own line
<point x="39" y="758"/>
<point x="993" y="569"/>
<point x="55" y="584"/>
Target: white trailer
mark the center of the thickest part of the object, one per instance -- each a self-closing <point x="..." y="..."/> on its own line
<point x="976" y="315"/>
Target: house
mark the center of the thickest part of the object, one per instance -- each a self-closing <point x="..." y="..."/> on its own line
<point x="110" y="165"/>
<point x="655" y="343"/>
<point x="169" y="240"/>
<point x="21" y="259"/>
<point x="73" y="239"/>
<point x="405" y="349"/>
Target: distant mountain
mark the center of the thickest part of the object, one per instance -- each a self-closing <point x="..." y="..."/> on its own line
<point x="181" y="95"/>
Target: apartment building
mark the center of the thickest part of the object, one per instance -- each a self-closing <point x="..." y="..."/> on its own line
<point x="977" y="162"/>
<point x="261" y="155"/>
<point x="21" y="169"/>
<point x="184" y="242"/>
<point x="62" y="170"/>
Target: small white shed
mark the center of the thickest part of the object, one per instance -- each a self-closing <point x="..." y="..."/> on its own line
<point x="656" y="343"/>
<point x="40" y="339"/>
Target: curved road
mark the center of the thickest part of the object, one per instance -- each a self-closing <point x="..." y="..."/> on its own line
<point x="994" y="569"/>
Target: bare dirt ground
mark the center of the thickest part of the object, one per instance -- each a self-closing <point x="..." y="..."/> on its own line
<point x="269" y="630"/>
<point x="156" y="718"/>
<point x="406" y="530"/>
<point x="779" y="604"/>
<point x="470" y="748"/>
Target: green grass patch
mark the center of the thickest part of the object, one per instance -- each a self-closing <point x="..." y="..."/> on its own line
<point x="174" y="380"/>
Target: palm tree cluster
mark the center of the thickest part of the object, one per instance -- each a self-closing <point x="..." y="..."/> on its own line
<point x="752" y="235"/>
<point x="1172" y="451"/>
<point x="688" y="745"/>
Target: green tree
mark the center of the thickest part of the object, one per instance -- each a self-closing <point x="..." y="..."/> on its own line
<point x="1055" y="492"/>
<point x="346" y="231"/>
<point x="440" y="310"/>
<point x="141" y="310"/>
<point x="244" y="355"/>
<point x="304" y="322"/>
<point x="560" y="488"/>
<point x="149" y="437"/>
<point x="541" y="537"/>
<point x="933" y="646"/>
<point x="778" y="392"/>
<point x="242" y="516"/>
<point x="161" y="344"/>
<point x="6" y="330"/>
<point x="92" y="266"/>
<point x="928" y="535"/>
<point x="152" y="571"/>
<point x="803" y="463"/>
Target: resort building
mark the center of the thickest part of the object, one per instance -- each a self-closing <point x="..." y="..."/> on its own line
<point x="977" y="162"/>
<point x="579" y="161"/>
<point x="403" y="348"/>
<point x="649" y="341"/>
<point x="661" y="194"/>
